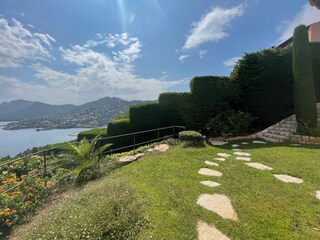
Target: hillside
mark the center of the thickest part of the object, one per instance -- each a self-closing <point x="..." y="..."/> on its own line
<point x="169" y="184"/>
<point x="93" y="114"/>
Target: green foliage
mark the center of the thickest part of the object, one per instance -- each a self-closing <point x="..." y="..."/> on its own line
<point x="92" y="133"/>
<point x="264" y="81"/>
<point x="306" y="130"/>
<point x="122" y="115"/>
<point x="191" y="138"/>
<point x="206" y="93"/>
<point x="119" y="127"/>
<point x="304" y="90"/>
<point x="315" y="55"/>
<point x="107" y="210"/>
<point x="229" y="123"/>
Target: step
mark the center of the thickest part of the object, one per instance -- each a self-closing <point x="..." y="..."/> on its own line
<point x="287" y="134"/>
<point x="289" y="130"/>
<point x="270" y="139"/>
<point x="274" y="136"/>
<point x="282" y="125"/>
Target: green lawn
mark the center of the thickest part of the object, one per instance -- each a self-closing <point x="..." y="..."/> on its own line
<point x="169" y="185"/>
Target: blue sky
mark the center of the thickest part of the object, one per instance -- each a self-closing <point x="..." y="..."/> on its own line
<point x="77" y="51"/>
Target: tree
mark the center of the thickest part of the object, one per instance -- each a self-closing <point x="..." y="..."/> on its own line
<point x="303" y="84"/>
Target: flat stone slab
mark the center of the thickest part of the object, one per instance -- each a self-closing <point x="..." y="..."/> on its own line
<point x="235" y="145"/>
<point x="288" y="179"/>
<point x="245" y="143"/>
<point x="259" y="142"/>
<point x="217" y="143"/>
<point x="128" y="159"/>
<point x="161" y="148"/>
<point x="259" y="166"/>
<point x="295" y="144"/>
<point x="209" y="232"/>
<point x="236" y="149"/>
<point x="243" y="159"/>
<point x="225" y="155"/>
<point x="219" y="159"/>
<point x="210" y="172"/>
<point x="318" y="194"/>
<point x="150" y="150"/>
<point x="242" y="154"/>
<point x="219" y="204"/>
<point x="210" y="183"/>
<point x="211" y="163"/>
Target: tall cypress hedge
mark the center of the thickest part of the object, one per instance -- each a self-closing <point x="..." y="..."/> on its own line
<point x="315" y="55"/>
<point x="304" y="90"/>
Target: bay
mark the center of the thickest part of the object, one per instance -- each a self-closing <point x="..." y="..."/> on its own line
<point x="13" y="142"/>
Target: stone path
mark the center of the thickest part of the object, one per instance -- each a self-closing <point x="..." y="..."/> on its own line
<point x="209" y="232"/>
<point x="225" y="155"/>
<point x="210" y="183"/>
<point x="161" y="148"/>
<point x="217" y="143"/>
<point x="220" y="159"/>
<point x="219" y="204"/>
<point x="242" y="154"/>
<point x="288" y="179"/>
<point x="259" y="142"/>
<point x="235" y="145"/>
<point x="210" y="172"/>
<point x="318" y="194"/>
<point x="243" y="158"/>
<point x="245" y="143"/>
<point x="236" y="149"/>
<point x="211" y="163"/>
<point x="259" y="166"/>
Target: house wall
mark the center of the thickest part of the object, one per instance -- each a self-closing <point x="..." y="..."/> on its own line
<point x="314" y="32"/>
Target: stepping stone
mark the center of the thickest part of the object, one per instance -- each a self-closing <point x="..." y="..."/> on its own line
<point x="259" y="142"/>
<point x="219" y="159"/>
<point x="211" y="163"/>
<point x="245" y="143"/>
<point x="210" y="172"/>
<point x="288" y="179"/>
<point x="209" y="232"/>
<point x="219" y="204"/>
<point x="210" y="183"/>
<point x="259" y="166"/>
<point x="318" y="194"/>
<point x="217" y="143"/>
<point x="236" y="149"/>
<point x="242" y="154"/>
<point x="295" y="144"/>
<point x="234" y="145"/>
<point x="225" y="155"/>
<point x="127" y="159"/>
<point x="162" y="148"/>
<point x="150" y="150"/>
<point x="243" y="159"/>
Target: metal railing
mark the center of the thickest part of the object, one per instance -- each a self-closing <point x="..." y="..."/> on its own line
<point x="45" y="153"/>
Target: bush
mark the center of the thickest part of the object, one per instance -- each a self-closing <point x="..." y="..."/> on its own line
<point x="119" y="127"/>
<point x="91" y="134"/>
<point x="304" y="91"/>
<point x="191" y="138"/>
<point x="315" y="54"/>
<point x="229" y="123"/>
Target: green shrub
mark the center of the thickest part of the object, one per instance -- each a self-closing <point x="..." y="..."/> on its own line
<point x="92" y="133"/>
<point x="191" y="138"/>
<point x="304" y="90"/>
<point x="119" y="127"/>
<point x="230" y="123"/>
<point x="315" y="54"/>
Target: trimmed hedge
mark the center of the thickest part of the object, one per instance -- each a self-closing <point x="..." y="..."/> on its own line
<point x="191" y="138"/>
<point x="92" y="133"/>
<point x="315" y="55"/>
<point x="304" y="91"/>
<point x="119" y="127"/>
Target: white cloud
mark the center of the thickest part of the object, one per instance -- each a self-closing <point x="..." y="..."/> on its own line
<point x="231" y="61"/>
<point x="212" y="26"/>
<point x="183" y="57"/>
<point x="306" y="15"/>
<point x="18" y="43"/>
<point x="202" y="53"/>
<point x="132" y="18"/>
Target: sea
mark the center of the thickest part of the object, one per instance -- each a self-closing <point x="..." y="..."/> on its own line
<point x="13" y="142"/>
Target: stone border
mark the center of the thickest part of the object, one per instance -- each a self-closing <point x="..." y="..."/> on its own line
<point x="305" y="139"/>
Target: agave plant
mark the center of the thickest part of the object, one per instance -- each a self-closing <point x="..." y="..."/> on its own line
<point x="86" y="156"/>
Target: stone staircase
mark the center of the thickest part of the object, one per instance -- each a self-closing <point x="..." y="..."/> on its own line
<point x="283" y="130"/>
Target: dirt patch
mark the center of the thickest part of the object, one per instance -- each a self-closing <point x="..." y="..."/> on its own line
<point x="219" y="204"/>
<point x="259" y="166"/>
<point x="210" y="183"/>
<point x="210" y="172"/>
<point x="288" y="179"/>
<point x="209" y="232"/>
<point x="211" y="163"/>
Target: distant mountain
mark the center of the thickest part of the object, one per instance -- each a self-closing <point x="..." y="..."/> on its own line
<point x="24" y="110"/>
<point x="89" y="115"/>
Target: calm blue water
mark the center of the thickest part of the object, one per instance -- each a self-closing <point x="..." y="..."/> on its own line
<point x="15" y="141"/>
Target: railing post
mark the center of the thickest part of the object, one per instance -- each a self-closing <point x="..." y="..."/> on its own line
<point x="158" y="136"/>
<point x="174" y="128"/>
<point x="45" y="167"/>
<point x="134" y="143"/>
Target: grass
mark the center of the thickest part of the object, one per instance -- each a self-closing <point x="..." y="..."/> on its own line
<point x="169" y="184"/>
